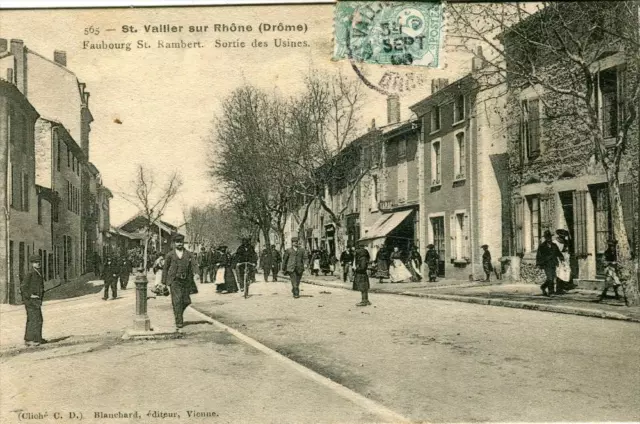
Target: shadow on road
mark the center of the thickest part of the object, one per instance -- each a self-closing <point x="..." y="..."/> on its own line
<point x="74" y="289"/>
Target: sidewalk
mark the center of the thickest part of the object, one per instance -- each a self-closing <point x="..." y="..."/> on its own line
<point x="511" y="295"/>
<point x="85" y="317"/>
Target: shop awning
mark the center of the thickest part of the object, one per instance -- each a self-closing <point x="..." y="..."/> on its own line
<point x="387" y="223"/>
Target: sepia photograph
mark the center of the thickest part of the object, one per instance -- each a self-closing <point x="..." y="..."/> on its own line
<point x="330" y="212"/>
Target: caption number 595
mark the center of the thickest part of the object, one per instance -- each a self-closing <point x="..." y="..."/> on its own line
<point x="91" y="30"/>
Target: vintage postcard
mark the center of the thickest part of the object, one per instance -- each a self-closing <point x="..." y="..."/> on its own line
<point x="348" y="212"/>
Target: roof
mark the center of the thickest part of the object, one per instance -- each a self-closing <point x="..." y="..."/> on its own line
<point x="138" y="221"/>
<point x="466" y="83"/>
<point x="124" y="233"/>
<point x="398" y="128"/>
<point x="69" y="140"/>
<point x="16" y="95"/>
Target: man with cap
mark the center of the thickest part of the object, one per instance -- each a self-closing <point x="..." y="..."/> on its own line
<point x="177" y="274"/>
<point x="125" y="270"/>
<point x="432" y="260"/>
<point x="245" y="258"/>
<point x="276" y="260"/>
<point x="547" y="258"/>
<point x="203" y="265"/>
<point x="361" y="278"/>
<point x="266" y="263"/>
<point x="32" y="290"/>
<point x="293" y="264"/>
<point x="110" y="274"/>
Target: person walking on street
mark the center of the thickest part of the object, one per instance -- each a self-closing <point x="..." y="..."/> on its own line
<point x="293" y="264"/>
<point x="32" y="291"/>
<point x="432" y="259"/>
<point x="178" y="276"/>
<point x="547" y="258"/>
<point x="245" y="258"/>
<point x="486" y="262"/>
<point x="382" y="264"/>
<point x="110" y="274"/>
<point x="276" y="260"/>
<point x="266" y="263"/>
<point x="346" y="259"/>
<point x="215" y="260"/>
<point x="203" y="265"/>
<point x="361" y="278"/>
<point x="611" y="279"/>
<point x="228" y="284"/>
<point x="125" y="271"/>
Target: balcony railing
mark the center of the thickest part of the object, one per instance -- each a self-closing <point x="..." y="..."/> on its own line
<point x="385" y="205"/>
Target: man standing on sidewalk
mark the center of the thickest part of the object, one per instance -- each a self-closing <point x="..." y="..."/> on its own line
<point x="178" y="276"/>
<point x="125" y="270"/>
<point x="547" y="258"/>
<point x="32" y="289"/>
<point x="266" y="263"/>
<point x="110" y="274"/>
<point x="276" y="260"/>
<point x="203" y="265"/>
<point x="361" y="278"/>
<point x="293" y="263"/>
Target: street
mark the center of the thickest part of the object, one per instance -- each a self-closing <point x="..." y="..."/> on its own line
<point x="423" y="359"/>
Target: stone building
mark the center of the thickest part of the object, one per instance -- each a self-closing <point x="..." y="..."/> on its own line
<point x="556" y="180"/>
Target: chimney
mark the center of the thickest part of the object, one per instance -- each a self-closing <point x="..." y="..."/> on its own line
<point x="10" y="75"/>
<point x="20" y="68"/>
<point x="438" y="84"/>
<point x="478" y="59"/>
<point x="3" y="45"/>
<point x="373" y="124"/>
<point x="393" y="109"/>
<point x="60" y="57"/>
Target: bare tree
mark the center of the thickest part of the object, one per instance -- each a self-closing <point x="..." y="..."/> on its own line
<point x="212" y="225"/>
<point x="151" y="200"/>
<point x="559" y="49"/>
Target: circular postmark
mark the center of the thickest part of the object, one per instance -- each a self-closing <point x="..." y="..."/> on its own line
<point x="394" y="34"/>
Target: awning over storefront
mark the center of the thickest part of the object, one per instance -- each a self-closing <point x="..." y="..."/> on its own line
<point x="387" y="223"/>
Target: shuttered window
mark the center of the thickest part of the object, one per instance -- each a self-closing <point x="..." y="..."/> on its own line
<point x="16" y="188"/>
<point x="546" y="213"/>
<point x="535" y="225"/>
<point x="518" y="211"/>
<point x="580" y="223"/>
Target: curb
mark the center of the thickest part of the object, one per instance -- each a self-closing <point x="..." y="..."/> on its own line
<point x="532" y="306"/>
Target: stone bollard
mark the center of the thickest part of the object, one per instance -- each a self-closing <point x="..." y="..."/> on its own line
<point x="141" y="321"/>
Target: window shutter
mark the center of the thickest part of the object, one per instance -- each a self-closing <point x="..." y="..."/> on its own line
<point x="628" y="209"/>
<point x="546" y="209"/>
<point x="16" y="187"/>
<point x="519" y="223"/>
<point x="534" y="127"/>
<point x="620" y="94"/>
<point x="25" y="193"/>
<point x="580" y="222"/>
<point x="521" y="141"/>
<point x="466" y="243"/>
<point x="453" y="226"/>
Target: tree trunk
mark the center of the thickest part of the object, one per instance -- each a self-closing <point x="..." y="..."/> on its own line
<point x="266" y="233"/>
<point x="625" y="262"/>
<point x="144" y="256"/>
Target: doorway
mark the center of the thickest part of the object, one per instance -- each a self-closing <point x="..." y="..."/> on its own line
<point x="437" y="226"/>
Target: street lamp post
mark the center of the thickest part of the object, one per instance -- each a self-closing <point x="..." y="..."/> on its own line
<point x="141" y="321"/>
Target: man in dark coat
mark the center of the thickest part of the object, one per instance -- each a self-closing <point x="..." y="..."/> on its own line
<point x="293" y="264"/>
<point x="245" y="259"/>
<point x="125" y="268"/>
<point x="276" y="260"/>
<point x="432" y="260"/>
<point x="361" y="279"/>
<point x="487" y="267"/>
<point x="611" y="279"/>
<point x="110" y="274"/>
<point x="346" y="259"/>
<point x="178" y="273"/>
<point x="32" y="290"/>
<point x="215" y="260"/>
<point x="266" y="263"/>
<point x="547" y="258"/>
<point x="203" y="265"/>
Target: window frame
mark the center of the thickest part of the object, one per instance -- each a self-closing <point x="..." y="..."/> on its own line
<point x="534" y="240"/>
<point x="436" y="162"/>
<point x="433" y="128"/>
<point x="618" y="103"/>
<point x="458" y="119"/>
<point x="459" y="156"/>
<point x="526" y="128"/>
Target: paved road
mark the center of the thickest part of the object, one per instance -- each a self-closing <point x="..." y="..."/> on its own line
<point x="446" y="361"/>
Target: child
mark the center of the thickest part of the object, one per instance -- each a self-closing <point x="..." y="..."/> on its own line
<point x="486" y="262"/>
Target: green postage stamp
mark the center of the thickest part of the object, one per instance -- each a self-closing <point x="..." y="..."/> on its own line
<point x="396" y="33"/>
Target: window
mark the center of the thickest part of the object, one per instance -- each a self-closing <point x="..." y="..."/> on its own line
<point x="458" y="109"/>
<point x="25" y="192"/>
<point x="534" y="221"/>
<point x="16" y="188"/>
<point x="435" y="118"/>
<point x="402" y="148"/>
<point x="459" y="158"/>
<point x="374" y="192"/>
<point x="55" y="211"/>
<point x="403" y="182"/>
<point x="608" y="98"/>
<point x="435" y="163"/>
<point x="530" y="128"/>
<point x="57" y="145"/>
<point x="39" y="210"/>
<point x="602" y="223"/>
<point x="460" y="235"/>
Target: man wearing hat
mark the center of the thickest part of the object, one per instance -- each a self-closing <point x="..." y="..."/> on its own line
<point x="361" y="278"/>
<point x="432" y="259"/>
<point x="32" y="290"/>
<point x="547" y="258"/>
<point x="276" y="260"/>
<point x="293" y="263"/>
<point x="110" y="273"/>
<point x="178" y="276"/>
<point x="246" y="259"/>
<point x="203" y="265"/>
<point x="486" y="262"/>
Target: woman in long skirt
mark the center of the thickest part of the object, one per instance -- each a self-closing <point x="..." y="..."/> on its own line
<point x="432" y="259"/>
<point x="563" y="269"/>
<point x="229" y="285"/>
<point x="382" y="264"/>
<point x="398" y="272"/>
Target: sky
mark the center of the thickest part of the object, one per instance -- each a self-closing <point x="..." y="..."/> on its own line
<point x="166" y="99"/>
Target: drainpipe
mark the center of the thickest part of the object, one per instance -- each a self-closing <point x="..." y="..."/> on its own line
<point x="472" y="229"/>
